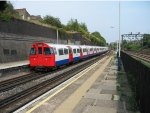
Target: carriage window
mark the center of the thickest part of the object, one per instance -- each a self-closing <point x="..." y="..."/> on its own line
<point x="32" y="51"/>
<point x="65" y="51"/>
<point x="84" y="50"/>
<point x="61" y="52"/>
<point x="74" y="50"/>
<point x="39" y="50"/>
<point x="48" y="51"/>
<point x="94" y="49"/>
<point x="78" y="51"/>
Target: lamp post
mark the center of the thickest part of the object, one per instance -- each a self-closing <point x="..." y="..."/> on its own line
<point x="119" y="32"/>
<point x="57" y="33"/>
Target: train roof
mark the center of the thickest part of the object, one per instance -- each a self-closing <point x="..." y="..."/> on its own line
<point x="65" y="45"/>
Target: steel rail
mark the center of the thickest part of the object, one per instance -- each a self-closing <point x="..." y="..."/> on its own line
<point x="10" y="83"/>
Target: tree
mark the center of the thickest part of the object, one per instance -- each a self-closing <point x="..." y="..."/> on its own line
<point x="53" y="21"/>
<point x="98" y="35"/>
<point x="84" y="26"/>
<point x="146" y="40"/>
<point x="2" y="5"/>
<point x="9" y="10"/>
<point x="72" y="25"/>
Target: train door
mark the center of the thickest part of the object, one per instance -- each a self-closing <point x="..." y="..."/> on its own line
<point x="88" y="52"/>
<point x="70" y="54"/>
<point x="40" y="56"/>
<point x="81" y="53"/>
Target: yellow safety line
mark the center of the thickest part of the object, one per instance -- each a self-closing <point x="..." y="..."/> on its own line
<point x="48" y="98"/>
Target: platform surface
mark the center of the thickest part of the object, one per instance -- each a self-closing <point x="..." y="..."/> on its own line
<point x="13" y="64"/>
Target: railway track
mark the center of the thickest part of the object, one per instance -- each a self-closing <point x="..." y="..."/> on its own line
<point x="140" y="56"/>
<point x="10" y="83"/>
<point x="13" y="102"/>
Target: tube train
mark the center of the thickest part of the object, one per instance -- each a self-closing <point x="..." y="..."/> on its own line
<point x="54" y="55"/>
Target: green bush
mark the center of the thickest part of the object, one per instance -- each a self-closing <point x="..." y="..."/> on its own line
<point x="5" y="17"/>
<point x="133" y="47"/>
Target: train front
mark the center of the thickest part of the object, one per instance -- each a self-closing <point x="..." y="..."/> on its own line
<point x="41" y="55"/>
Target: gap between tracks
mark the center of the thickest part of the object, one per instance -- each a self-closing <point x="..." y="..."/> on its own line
<point x="80" y="92"/>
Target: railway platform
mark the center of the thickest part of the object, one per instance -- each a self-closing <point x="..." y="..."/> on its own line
<point x="92" y="91"/>
<point x="5" y="66"/>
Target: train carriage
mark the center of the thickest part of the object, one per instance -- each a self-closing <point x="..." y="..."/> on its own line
<point x="54" y="55"/>
<point x="41" y="55"/>
<point x="48" y="55"/>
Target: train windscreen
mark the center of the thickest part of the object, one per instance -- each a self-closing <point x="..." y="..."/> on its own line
<point x="48" y="51"/>
<point x="40" y="50"/>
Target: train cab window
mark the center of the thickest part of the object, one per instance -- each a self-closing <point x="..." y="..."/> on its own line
<point x="61" y="52"/>
<point x="78" y="51"/>
<point x="48" y="51"/>
<point x="39" y="50"/>
<point x="32" y="51"/>
<point x="74" y="50"/>
<point x="65" y="51"/>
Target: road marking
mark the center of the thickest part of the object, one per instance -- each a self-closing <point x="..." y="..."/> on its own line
<point x="58" y="91"/>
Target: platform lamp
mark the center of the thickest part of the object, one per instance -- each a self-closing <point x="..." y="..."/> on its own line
<point x="57" y="31"/>
<point x="119" y="32"/>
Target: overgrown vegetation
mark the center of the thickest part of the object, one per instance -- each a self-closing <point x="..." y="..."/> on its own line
<point x="74" y="25"/>
<point x="7" y="11"/>
<point x="50" y="20"/>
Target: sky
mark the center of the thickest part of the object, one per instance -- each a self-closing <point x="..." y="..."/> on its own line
<point x="101" y="16"/>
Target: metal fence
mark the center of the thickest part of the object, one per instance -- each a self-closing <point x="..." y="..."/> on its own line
<point x="141" y="75"/>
